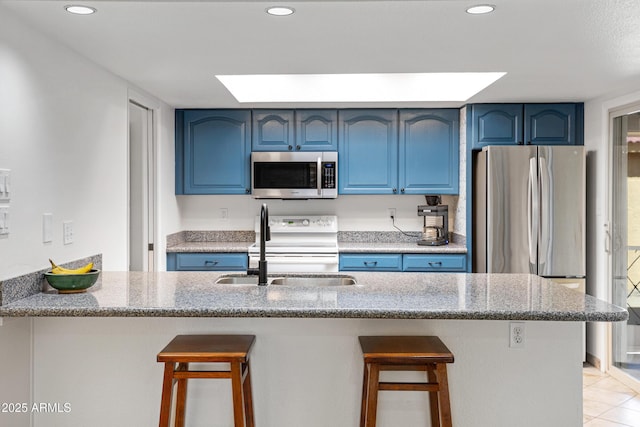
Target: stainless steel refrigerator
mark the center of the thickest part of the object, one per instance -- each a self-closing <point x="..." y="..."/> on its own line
<point x="529" y="211"/>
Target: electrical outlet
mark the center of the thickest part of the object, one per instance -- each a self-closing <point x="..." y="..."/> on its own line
<point x="5" y="184"/>
<point x="516" y="334"/>
<point x="67" y="232"/>
<point x="391" y="212"/>
<point x="4" y="220"/>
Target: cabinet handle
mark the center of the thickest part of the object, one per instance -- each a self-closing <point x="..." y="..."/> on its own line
<point x="435" y="264"/>
<point x="298" y="147"/>
<point x="207" y="262"/>
<point x="290" y="147"/>
<point x="395" y="190"/>
<point x="402" y="190"/>
<point x="247" y="190"/>
<point x="370" y="263"/>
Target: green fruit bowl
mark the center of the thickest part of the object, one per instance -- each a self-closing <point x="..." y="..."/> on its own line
<point x="72" y="283"/>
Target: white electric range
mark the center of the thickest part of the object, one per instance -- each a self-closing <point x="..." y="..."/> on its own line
<point x="299" y="244"/>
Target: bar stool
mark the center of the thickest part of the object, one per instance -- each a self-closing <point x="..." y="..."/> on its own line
<point x="185" y="349"/>
<point x="406" y="353"/>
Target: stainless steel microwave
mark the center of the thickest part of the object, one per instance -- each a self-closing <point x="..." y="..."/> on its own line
<point x="294" y="175"/>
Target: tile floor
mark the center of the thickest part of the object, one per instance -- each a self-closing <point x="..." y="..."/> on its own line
<point x="608" y="402"/>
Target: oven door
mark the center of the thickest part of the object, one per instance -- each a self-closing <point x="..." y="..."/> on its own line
<point x="298" y="263"/>
<point x="298" y="175"/>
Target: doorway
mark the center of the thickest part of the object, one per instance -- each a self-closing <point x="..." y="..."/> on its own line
<point x="625" y="233"/>
<point x="141" y="187"/>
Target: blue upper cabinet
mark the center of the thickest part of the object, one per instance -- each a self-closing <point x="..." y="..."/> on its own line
<point x="213" y="149"/>
<point x="429" y="151"/>
<point x="273" y="130"/>
<point x="525" y="124"/>
<point x="368" y="151"/>
<point x="496" y="124"/>
<point x="550" y="124"/>
<point x="316" y="130"/>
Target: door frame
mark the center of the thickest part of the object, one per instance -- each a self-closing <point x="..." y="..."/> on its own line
<point x="613" y="113"/>
<point x="151" y="219"/>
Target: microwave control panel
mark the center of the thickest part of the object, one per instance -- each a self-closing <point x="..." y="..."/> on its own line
<point x="328" y="174"/>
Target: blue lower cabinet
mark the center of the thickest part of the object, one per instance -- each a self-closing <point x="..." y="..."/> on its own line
<point x="444" y="263"/>
<point x="207" y="261"/>
<point x="371" y="262"/>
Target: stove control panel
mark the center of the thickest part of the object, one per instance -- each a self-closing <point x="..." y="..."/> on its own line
<point x="301" y="224"/>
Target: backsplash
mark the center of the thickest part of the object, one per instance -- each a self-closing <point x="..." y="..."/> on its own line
<point x="33" y="283"/>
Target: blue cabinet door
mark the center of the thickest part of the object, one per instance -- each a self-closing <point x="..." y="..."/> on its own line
<point x="273" y="130"/>
<point x="435" y="262"/>
<point x="550" y="124"/>
<point x="207" y="261"/>
<point x="368" y="151"/>
<point x="213" y="149"/>
<point x="429" y="151"/>
<point x="370" y="262"/>
<point x="496" y="124"/>
<point x="316" y="130"/>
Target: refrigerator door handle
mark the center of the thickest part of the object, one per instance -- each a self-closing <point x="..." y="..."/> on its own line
<point x="546" y="234"/>
<point x="533" y="210"/>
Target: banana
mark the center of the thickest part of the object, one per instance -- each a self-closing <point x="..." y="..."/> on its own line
<point x="56" y="269"/>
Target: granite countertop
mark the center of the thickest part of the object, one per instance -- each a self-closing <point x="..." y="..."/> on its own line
<point x="209" y="247"/>
<point x="377" y="295"/>
<point x="348" y="242"/>
<point x="345" y="247"/>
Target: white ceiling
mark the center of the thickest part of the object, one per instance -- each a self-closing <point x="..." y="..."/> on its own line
<point x="552" y="50"/>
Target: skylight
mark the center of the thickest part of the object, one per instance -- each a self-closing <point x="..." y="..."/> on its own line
<point x="390" y="87"/>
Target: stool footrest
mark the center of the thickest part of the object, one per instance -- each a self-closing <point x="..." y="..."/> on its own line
<point x="409" y="386"/>
<point x="180" y="375"/>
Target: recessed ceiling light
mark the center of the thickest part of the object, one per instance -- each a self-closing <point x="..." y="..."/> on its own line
<point x="280" y="10"/>
<point x="481" y="9"/>
<point x="389" y="87"/>
<point x="79" y="9"/>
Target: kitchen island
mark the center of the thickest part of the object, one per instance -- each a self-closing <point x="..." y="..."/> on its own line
<point x="96" y="351"/>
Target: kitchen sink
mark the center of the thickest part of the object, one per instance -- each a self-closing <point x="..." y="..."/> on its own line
<point x="297" y="280"/>
<point x="314" y="281"/>
<point x="237" y="280"/>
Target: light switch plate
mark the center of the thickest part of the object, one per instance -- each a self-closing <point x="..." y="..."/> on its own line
<point x="47" y="228"/>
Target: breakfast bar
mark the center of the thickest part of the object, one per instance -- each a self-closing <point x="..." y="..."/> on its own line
<point x="95" y="351"/>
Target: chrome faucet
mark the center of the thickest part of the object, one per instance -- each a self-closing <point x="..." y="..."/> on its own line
<point x="265" y="235"/>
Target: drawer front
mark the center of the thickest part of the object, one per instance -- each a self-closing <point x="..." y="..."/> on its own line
<point x="211" y="262"/>
<point x="418" y="262"/>
<point x="371" y="262"/>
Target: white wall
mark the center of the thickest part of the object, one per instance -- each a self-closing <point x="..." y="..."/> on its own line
<point x="15" y="371"/>
<point x="63" y="135"/>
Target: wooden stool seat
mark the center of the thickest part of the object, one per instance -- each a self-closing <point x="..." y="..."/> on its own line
<point x="185" y="349"/>
<point x="406" y="353"/>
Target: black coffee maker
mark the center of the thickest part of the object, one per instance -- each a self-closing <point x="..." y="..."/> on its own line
<point x="435" y="230"/>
